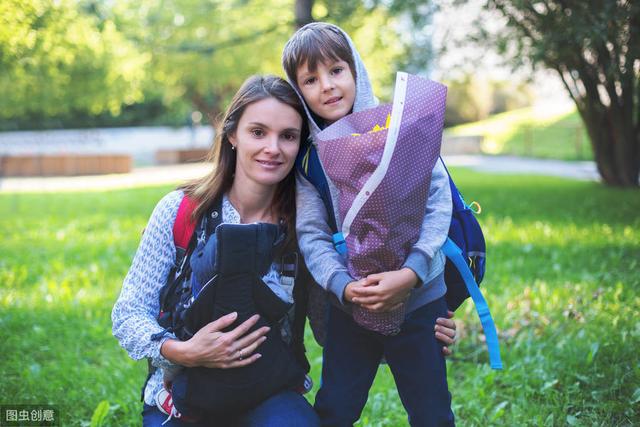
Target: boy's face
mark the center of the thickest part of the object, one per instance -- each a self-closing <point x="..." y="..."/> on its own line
<point x="329" y="91"/>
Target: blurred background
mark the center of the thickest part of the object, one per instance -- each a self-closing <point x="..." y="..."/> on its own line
<point x="128" y="90"/>
<point x="537" y="79"/>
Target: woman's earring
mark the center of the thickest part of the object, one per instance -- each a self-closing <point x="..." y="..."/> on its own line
<point x="233" y="147"/>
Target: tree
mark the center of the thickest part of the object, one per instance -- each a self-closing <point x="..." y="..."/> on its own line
<point x="55" y="59"/>
<point x="304" y="12"/>
<point x="202" y="50"/>
<point x="594" y="45"/>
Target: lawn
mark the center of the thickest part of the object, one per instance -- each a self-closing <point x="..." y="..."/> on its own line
<point x="545" y="132"/>
<point x="562" y="282"/>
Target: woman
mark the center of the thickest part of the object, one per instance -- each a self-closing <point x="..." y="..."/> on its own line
<point x="254" y="152"/>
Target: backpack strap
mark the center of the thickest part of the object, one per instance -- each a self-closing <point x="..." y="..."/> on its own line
<point x="309" y="166"/>
<point x="454" y="253"/>
<point x="183" y="228"/>
<point x="184" y="225"/>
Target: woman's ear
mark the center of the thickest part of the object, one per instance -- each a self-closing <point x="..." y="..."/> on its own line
<point x="233" y="141"/>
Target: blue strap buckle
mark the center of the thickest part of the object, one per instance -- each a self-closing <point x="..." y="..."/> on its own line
<point x="339" y="243"/>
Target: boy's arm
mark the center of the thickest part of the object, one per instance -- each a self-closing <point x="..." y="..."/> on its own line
<point x="315" y="239"/>
<point x="425" y="260"/>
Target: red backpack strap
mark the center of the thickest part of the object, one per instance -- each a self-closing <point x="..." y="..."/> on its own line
<point x="184" y="225"/>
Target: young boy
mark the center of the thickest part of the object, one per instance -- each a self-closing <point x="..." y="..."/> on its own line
<point x="324" y="67"/>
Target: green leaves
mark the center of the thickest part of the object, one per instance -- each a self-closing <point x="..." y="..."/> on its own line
<point x="100" y="414"/>
<point x="55" y="59"/>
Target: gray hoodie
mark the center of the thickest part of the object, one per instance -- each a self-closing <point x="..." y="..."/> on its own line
<point x="326" y="265"/>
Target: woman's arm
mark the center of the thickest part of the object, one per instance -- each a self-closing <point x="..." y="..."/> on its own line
<point x="134" y="313"/>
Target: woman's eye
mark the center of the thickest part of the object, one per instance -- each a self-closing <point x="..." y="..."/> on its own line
<point x="257" y="132"/>
<point x="289" y="137"/>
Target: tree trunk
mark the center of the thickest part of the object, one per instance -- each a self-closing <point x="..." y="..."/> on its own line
<point x="211" y="112"/>
<point x="303" y="12"/>
<point x="616" y="146"/>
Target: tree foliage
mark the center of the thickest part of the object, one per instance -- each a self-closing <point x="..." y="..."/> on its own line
<point x="87" y="57"/>
<point x="594" y="46"/>
<point x="55" y="59"/>
<point x="202" y="50"/>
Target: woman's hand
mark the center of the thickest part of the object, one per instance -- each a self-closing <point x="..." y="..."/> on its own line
<point x="446" y="332"/>
<point x="211" y="348"/>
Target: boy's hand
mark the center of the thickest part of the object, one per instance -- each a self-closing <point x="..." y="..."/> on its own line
<point x="349" y="290"/>
<point x="385" y="291"/>
<point x="446" y="332"/>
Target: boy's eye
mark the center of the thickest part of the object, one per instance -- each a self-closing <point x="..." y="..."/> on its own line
<point x="257" y="132"/>
<point x="310" y="80"/>
<point x="338" y="70"/>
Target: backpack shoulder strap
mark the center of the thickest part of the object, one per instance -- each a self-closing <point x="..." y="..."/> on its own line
<point x="457" y="257"/>
<point x="309" y="166"/>
<point x="454" y="253"/>
<point x="184" y="225"/>
<point x="183" y="228"/>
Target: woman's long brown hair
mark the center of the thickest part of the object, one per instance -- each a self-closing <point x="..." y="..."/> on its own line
<point x="206" y="190"/>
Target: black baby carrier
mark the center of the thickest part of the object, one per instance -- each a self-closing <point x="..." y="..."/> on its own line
<point x="229" y="263"/>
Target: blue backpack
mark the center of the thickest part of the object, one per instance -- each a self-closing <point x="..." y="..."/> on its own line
<point x="464" y="247"/>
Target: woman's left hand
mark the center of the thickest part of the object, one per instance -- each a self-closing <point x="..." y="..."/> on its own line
<point x="446" y="332"/>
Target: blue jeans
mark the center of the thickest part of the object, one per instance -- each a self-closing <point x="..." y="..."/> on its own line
<point x="287" y="409"/>
<point x="350" y="362"/>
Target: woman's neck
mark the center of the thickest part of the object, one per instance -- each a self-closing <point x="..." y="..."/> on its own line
<point x="253" y="203"/>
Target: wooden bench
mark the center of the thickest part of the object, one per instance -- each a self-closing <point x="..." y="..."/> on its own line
<point x="64" y="164"/>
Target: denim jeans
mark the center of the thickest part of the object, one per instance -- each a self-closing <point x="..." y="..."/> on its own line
<point x="351" y="358"/>
<point x="285" y="409"/>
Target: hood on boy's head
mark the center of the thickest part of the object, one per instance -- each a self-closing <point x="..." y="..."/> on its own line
<point x="364" y="94"/>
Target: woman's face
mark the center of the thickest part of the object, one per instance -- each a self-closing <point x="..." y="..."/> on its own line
<point x="266" y="142"/>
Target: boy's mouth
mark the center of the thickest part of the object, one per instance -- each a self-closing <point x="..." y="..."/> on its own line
<point x="333" y="100"/>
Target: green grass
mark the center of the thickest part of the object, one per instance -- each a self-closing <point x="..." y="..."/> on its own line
<point x="556" y="133"/>
<point x="562" y="282"/>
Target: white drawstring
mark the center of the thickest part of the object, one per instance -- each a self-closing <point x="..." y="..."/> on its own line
<point x="174" y="412"/>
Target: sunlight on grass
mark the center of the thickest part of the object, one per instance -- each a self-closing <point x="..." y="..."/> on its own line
<point x="553" y="131"/>
<point x="562" y="282"/>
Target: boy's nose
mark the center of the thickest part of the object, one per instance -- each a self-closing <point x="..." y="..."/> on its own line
<point x="327" y="83"/>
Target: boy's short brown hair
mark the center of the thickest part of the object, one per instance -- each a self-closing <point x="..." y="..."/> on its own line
<point x="313" y="43"/>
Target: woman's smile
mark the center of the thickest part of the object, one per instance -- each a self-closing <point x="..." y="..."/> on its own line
<point x="270" y="164"/>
